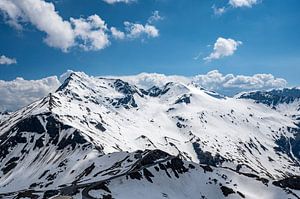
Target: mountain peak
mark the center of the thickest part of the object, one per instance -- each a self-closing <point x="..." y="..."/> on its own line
<point x="69" y="136"/>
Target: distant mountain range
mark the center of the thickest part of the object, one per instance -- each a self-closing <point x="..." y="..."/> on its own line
<point x="122" y="137"/>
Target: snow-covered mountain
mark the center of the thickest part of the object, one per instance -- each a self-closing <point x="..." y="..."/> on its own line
<point x="3" y="115"/>
<point x="102" y="135"/>
<point x="286" y="101"/>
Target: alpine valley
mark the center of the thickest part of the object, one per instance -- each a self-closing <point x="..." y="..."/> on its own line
<point x="151" y="136"/>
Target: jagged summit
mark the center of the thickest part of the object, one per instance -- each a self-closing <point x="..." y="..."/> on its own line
<point x="273" y="97"/>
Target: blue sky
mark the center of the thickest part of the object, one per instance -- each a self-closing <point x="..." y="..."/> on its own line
<point x="188" y="29"/>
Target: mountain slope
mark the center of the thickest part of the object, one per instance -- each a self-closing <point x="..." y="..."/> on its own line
<point x="192" y="181"/>
<point x="177" y="118"/>
<point x="287" y="102"/>
<point x="67" y="136"/>
<point x="155" y="174"/>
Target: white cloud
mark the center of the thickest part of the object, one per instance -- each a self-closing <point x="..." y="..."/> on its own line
<point x="219" y="11"/>
<point x="118" y="1"/>
<point x="227" y="84"/>
<point x="230" y="84"/>
<point x="117" y="34"/>
<point x="11" y="13"/>
<point x="6" y="60"/>
<point x="223" y="48"/>
<point x="135" y="30"/>
<point x="148" y="80"/>
<point x="242" y="3"/>
<point x="234" y="4"/>
<point x="19" y="92"/>
<point x="90" y="33"/>
<point x="155" y="17"/>
<point x="42" y="15"/>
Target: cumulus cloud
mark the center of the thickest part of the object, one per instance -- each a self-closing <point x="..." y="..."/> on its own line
<point x="118" y="1"/>
<point x="43" y="16"/>
<point x="117" y="34"/>
<point x="6" y="60"/>
<point x="11" y="13"/>
<point x="223" y="48"/>
<point x="242" y="3"/>
<point x="226" y="84"/>
<point x="90" y="32"/>
<point x="148" y="80"/>
<point x="135" y="30"/>
<point x="230" y="84"/>
<point x="20" y="92"/>
<point x="233" y="4"/>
